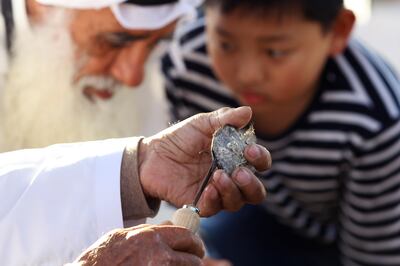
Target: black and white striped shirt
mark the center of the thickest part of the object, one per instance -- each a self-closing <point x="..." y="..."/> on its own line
<point x="336" y="172"/>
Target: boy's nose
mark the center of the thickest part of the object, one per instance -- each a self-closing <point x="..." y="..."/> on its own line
<point x="128" y="67"/>
<point x="250" y="72"/>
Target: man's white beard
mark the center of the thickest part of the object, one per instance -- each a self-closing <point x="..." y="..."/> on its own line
<point x="41" y="107"/>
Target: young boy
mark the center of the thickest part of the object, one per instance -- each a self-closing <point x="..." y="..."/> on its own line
<point x="327" y="109"/>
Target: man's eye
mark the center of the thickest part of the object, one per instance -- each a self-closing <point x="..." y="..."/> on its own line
<point x="120" y="39"/>
<point x="115" y="40"/>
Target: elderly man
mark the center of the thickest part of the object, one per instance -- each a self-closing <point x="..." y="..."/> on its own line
<point x="56" y="201"/>
<point x="68" y="62"/>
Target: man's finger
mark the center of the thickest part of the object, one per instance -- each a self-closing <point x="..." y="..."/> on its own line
<point x="258" y="156"/>
<point x="137" y="227"/>
<point x="181" y="239"/>
<point x="210" y="202"/>
<point x="210" y="122"/>
<point x="214" y="262"/>
<point x="252" y="189"/>
<point x="184" y="259"/>
<point x="237" y="117"/>
<point x="232" y="199"/>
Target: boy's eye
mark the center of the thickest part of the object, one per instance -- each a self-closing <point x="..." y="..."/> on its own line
<point x="275" y="53"/>
<point x="225" y="46"/>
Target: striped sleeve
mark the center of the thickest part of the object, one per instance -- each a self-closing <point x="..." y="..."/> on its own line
<point x="370" y="207"/>
<point x="169" y="84"/>
<point x="190" y="83"/>
<point x="177" y="75"/>
<point x="370" y="218"/>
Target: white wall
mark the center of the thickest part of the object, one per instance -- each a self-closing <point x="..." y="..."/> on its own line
<point x="382" y="31"/>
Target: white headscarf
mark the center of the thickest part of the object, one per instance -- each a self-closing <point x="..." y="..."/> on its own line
<point x="133" y="16"/>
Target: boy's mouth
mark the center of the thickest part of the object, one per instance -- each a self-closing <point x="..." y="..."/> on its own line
<point x="252" y="98"/>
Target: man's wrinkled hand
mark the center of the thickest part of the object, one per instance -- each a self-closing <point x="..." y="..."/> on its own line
<point x="172" y="164"/>
<point x="145" y="245"/>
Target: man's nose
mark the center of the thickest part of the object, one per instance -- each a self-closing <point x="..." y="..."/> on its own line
<point x="128" y="67"/>
<point x="250" y="72"/>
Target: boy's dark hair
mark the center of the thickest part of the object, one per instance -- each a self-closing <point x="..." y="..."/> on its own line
<point x="321" y="11"/>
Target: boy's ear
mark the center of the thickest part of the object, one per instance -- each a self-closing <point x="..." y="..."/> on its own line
<point x="341" y="30"/>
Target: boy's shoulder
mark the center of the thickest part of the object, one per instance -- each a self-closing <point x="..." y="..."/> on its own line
<point x="189" y="41"/>
<point x="361" y="85"/>
<point x="191" y="29"/>
<point x="187" y="58"/>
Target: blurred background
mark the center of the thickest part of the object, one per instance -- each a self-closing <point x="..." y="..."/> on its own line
<point x="379" y="26"/>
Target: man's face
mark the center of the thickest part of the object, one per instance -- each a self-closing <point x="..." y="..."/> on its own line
<point x="266" y="61"/>
<point x="106" y="50"/>
<point x="41" y="106"/>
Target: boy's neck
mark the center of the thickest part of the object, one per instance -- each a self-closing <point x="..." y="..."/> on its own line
<point x="274" y="119"/>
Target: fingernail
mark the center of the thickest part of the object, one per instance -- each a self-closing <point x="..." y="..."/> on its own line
<point x="243" y="177"/>
<point x="223" y="179"/>
<point x="243" y="107"/>
<point x="254" y="152"/>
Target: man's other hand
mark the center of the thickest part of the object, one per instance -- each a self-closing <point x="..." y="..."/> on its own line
<point x="145" y="245"/>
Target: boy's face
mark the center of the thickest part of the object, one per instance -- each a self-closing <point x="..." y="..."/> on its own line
<point x="265" y="61"/>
